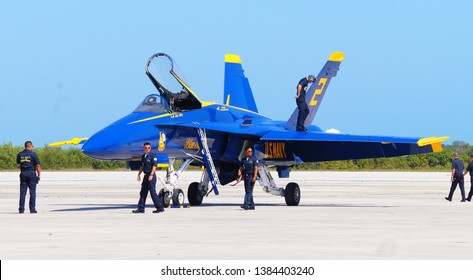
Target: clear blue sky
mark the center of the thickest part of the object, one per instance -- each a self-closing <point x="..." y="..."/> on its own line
<point x="69" y="68"/>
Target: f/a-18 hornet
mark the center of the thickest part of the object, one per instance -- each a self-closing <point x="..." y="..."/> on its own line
<point x="213" y="135"/>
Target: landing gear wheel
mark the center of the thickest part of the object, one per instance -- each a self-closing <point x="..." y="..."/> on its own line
<point x="292" y="194"/>
<point x="165" y="198"/>
<point x="177" y="197"/>
<point x="193" y="194"/>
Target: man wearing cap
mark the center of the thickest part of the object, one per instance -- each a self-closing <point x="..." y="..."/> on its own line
<point x="457" y="178"/>
<point x="301" y="103"/>
<point x="469" y="169"/>
<point x="29" y="176"/>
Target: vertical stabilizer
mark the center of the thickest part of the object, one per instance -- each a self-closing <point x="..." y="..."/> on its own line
<point x="317" y="90"/>
<point x="237" y="91"/>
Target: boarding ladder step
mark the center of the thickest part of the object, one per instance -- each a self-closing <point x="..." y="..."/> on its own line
<point x="208" y="161"/>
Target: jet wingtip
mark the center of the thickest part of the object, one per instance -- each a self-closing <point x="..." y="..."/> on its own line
<point x="434" y="142"/>
<point x="430" y="140"/>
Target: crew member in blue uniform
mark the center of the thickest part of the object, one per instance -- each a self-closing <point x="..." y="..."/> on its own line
<point x="29" y="176"/>
<point x="149" y="162"/>
<point x="457" y="178"/>
<point x="469" y="169"/>
<point x="248" y="171"/>
<point x="300" y="101"/>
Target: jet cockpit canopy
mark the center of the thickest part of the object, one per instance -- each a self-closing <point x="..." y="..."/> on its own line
<point x="153" y="103"/>
<point x="169" y="81"/>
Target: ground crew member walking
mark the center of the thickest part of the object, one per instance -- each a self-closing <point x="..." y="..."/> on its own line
<point x="469" y="169"/>
<point x="301" y="103"/>
<point x="149" y="162"/>
<point x="248" y="171"/>
<point x="29" y="176"/>
<point x="457" y="178"/>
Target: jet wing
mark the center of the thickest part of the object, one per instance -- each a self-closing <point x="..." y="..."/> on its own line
<point x="320" y="146"/>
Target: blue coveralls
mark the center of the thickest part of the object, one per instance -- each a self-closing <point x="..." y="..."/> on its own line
<point x="27" y="160"/>
<point x="302" y="105"/>
<point x="148" y="161"/>
<point x="457" y="179"/>
<point x="248" y="167"/>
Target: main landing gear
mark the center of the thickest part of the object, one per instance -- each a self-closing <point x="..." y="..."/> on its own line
<point x="198" y="190"/>
<point x="292" y="193"/>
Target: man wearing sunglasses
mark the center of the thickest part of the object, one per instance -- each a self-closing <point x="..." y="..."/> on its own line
<point x="149" y="161"/>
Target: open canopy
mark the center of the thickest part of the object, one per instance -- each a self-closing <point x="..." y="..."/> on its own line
<point x="167" y="78"/>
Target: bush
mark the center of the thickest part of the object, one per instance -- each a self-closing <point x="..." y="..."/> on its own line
<point x="54" y="158"/>
<point x="60" y="159"/>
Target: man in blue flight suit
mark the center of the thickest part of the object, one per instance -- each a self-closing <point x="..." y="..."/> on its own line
<point x="29" y="176"/>
<point x="149" y="161"/>
<point x="300" y="101"/>
<point x="248" y="171"/>
<point x="469" y="169"/>
<point x="457" y="178"/>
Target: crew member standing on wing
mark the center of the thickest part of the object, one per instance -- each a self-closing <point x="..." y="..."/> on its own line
<point x="248" y="171"/>
<point x="457" y="178"/>
<point x="29" y="176"/>
<point x="469" y="169"/>
<point x="149" y="162"/>
<point x="301" y="103"/>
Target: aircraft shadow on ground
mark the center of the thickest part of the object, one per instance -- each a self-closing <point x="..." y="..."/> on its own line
<point x="99" y="207"/>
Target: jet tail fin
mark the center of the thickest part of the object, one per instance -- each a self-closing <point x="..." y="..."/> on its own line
<point x="237" y="91"/>
<point x="317" y="90"/>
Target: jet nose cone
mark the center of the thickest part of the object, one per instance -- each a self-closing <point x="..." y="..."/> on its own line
<point x="94" y="148"/>
<point x="120" y="140"/>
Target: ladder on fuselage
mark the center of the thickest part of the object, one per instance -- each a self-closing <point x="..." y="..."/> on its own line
<point x="207" y="158"/>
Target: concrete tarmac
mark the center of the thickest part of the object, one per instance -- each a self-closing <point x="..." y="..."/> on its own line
<point x="342" y="216"/>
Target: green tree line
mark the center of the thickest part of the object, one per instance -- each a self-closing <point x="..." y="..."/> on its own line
<point x="56" y="159"/>
<point x="73" y="158"/>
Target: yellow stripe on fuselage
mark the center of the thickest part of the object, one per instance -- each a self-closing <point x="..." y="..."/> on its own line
<point x="152" y="118"/>
<point x="204" y="104"/>
<point x="208" y="103"/>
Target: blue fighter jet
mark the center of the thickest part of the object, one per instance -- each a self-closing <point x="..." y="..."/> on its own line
<point x="180" y="126"/>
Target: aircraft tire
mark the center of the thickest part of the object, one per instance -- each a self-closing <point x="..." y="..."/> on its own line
<point x="164" y="196"/>
<point x="292" y="194"/>
<point x="193" y="194"/>
<point x="178" y="197"/>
